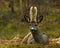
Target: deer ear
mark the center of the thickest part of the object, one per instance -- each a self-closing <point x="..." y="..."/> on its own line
<point x="26" y="18"/>
<point x="39" y="19"/>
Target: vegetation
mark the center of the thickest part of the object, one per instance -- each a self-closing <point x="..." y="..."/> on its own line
<point x="29" y="46"/>
<point x="11" y="14"/>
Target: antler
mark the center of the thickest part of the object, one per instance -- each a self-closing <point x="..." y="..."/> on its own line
<point x="33" y="13"/>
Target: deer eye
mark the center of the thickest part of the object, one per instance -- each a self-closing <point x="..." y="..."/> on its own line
<point x="36" y="25"/>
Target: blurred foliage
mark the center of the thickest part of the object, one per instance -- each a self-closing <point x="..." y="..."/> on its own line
<point x="10" y="23"/>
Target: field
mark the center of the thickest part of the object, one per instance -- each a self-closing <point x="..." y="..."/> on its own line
<point x="12" y="28"/>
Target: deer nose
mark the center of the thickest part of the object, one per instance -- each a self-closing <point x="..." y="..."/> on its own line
<point x="32" y="28"/>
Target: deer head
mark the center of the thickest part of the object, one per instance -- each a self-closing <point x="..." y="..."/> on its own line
<point x="33" y="19"/>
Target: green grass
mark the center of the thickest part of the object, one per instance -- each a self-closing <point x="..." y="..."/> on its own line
<point x="12" y="25"/>
<point x="29" y="46"/>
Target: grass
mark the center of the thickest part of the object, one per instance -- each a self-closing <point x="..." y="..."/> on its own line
<point x="11" y="25"/>
<point x="29" y="46"/>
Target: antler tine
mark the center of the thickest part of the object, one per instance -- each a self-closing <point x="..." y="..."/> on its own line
<point x="35" y="14"/>
<point x="31" y="13"/>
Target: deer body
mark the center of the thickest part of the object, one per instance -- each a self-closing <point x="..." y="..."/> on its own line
<point x="35" y="36"/>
